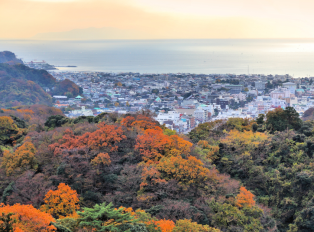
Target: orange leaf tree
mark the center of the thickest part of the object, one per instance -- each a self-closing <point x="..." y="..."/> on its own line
<point x="245" y="198"/>
<point x="165" y="225"/>
<point x="152" y="144"/>
<point x="143" y="122"/>
<point x="127" y="121"/>
<point x="28" y="219"/>
<point x="150" y="176"/>
<point x="179" y="146"/>
<point x="61" y="202"/>
<point x="105" y="138"/>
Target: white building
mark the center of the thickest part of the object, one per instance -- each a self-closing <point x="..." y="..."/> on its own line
<point x="280" y="93"/>
<point x="208" y="108"/>
<point x="200" y="114"/>
<point x="291" y="86"/>
<point x="170" y="116"/>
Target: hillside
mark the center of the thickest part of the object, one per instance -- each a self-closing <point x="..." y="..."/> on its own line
<point x="21" y="85"/>
<point x="165" y="182"/>
<point x="308" y="114"/>
<point x="18" y="86"/>
<point x="9" y="57"/>
<point x="128" y="173"/>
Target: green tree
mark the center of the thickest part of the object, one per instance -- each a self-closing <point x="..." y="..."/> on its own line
<point x="227" y="216"/>
<point x="260" y="119"/>
<point x="293" y="119"/>
<point x="105" y="218"/>
<point x="280" y="120"/>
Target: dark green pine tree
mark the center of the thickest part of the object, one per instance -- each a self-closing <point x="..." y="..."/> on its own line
<point x="104" y="217"/>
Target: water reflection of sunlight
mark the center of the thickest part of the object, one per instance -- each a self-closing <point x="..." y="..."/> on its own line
<point x="294" y="47"/>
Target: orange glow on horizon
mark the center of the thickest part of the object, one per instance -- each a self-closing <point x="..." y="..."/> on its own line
<point x="162" y="19"/>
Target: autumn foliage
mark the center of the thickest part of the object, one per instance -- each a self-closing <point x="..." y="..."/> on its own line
<point x="61" y="202"/>
<point x="247" y="140"/>
<point x="211" y="152"/>
<point x="185" y="171"/>
<point x="186" y="225"/>
<point x="153" y="144"/>
<point x="28" y="219"/>
<point x="106" y="137"/>
<point x="115" y="162"/>
<point x="127" y="121"/>
<point x="101" y="158"/>
<point x="9" y="131"/>
<point x="165" y="225"/>
<point x="22" y="157"/>
<point x="245" y="198"/>
<point x="7" y="124"/>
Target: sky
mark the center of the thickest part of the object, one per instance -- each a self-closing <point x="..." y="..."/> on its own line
<point x="156" y="19"/>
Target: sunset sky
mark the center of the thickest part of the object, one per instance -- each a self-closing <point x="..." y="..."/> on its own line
<point x="159" y="19"/>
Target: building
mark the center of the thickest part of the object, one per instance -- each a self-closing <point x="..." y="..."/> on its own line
<point x="280" y="93"/>
<point x="260" y="85"/>
<point x="291" y="86"/>
<point x="222" y="102"/>
<point x="60" y="97"/>
<point x="234" y="87"/>
<point x="170" y="116"/>
<point x="201" y="114"/>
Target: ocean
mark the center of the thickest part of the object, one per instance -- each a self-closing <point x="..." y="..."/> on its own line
<point x="212" y="56"/>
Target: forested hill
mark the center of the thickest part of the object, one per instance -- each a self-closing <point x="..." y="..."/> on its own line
<point x="9" y="57"/>
<point x="21" y="85"/>
<point x="127" y="173"/>
<point x="308" y="114"/>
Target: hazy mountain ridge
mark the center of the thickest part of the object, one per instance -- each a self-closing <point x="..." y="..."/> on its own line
<point x="91" y="33"/>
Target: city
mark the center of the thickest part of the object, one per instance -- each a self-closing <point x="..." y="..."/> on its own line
<point x="182" y="101"/>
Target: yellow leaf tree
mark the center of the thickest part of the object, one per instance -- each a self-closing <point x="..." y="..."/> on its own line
<point x="186" y="225"/>
<point x="24" y="156"/>
<point x="189" y="171"/>
<point x="101" y="158"/>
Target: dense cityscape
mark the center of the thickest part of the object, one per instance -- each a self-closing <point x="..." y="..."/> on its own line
<point x="182" y="101"/>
